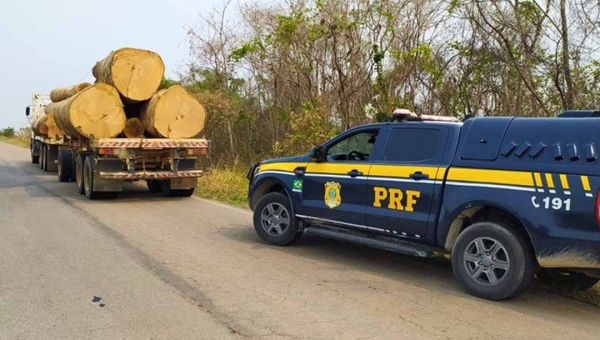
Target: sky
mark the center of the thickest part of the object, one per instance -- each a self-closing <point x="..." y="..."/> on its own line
<point x="50" y="43"/>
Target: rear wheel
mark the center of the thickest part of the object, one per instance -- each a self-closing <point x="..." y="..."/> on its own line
<point x="154" y="186"/>
<point x="567" y="279"/>
<point x="79" y="162"/>
<point x="65" y="165"/>
<point x="34" y="159"/>
<point x="88" y="182"/>
<point x="493" y="261"/>
<point x="42" y="156"/>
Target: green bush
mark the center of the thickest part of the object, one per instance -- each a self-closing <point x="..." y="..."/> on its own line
<point x="8" y="132"/>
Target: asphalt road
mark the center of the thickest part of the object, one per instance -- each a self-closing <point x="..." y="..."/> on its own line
<point x="146" y="267"/>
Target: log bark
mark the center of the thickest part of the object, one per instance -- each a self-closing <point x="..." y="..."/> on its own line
<point x="52" y="129"/>
<point x="96" y="111"/>
<point x="133" y="128"/>
<point x="173" y="113"/>
<point x="61" y="93"/>
<point x="135" y="73"/>
<point x="38" y="126"/>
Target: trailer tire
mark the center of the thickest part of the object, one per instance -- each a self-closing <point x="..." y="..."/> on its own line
<point x="42" y="157"/>
<point x="88" y="179"/>
<point x="65" y="165"/>
<point x="34" y="159"/>
<point x="180" y="192"/>
<point x="154" y="186"/>
<point x="79" y="162"/>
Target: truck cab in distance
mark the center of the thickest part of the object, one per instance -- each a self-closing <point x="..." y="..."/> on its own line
<point x="507" y="198"/>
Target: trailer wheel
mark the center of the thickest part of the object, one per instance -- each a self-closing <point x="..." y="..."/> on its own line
<point x="65" y="165"/>
<point x="180" y="192"/>
<point x="88" y="179"/>
<point x="44" y="160"/>
<point x="79" y="162"/>
<point x="166" y="188"/>
<point x="34" y="159"/>
<point x="154" y="186"/>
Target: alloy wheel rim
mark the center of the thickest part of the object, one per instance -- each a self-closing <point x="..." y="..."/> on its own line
<point x="486" y="261"/>
<point x="275" y="219"/>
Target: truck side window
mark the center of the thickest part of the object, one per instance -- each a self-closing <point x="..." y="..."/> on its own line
<point x="412" y="145"/>
<point x="354" y="148"/>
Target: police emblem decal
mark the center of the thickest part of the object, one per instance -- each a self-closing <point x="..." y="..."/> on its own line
<point x="333" y="197"/>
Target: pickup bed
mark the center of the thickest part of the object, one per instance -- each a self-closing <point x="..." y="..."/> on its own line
<point x="507" y="198"/>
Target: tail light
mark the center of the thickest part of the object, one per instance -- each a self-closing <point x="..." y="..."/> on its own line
<point x="197" y="151"/>
<point x="108" y="151"/>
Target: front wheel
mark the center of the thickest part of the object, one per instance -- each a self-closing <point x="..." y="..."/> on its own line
<point x="273" y="220"/>
<point x="492" y="261"/>
<point x="34" y="159"/>
<point x="567" y="279"/>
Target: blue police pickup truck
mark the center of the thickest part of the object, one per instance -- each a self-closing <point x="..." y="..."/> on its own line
<point x="507" y="198"/>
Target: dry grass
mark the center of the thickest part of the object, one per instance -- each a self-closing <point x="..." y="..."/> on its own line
<point x="228" y="185"/>
<point x="22" y="141"/>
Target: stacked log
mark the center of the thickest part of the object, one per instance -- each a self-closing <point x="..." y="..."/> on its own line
<point x="173" y="113"/>
<point x="135" y="73"/>
<point x="123" y="102"/>
<point x="96" y="111"/>
<point x="61" y="93"/>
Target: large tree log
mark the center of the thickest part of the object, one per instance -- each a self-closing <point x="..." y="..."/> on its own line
<point x="133" y="128"/>
<point x="173" y="113"/>
<point x="135" y="73"/>
<point x="96" y="111"/>
<point x="52" y="129"/>
<point x="61" y="93"/>
<point x="38" y="127"/>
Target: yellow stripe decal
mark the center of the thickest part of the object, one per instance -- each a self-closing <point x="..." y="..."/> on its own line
<point x="538" y="179"/>
<point x="550" y="181"/>
<point x="491" y="176"/>
<point x="280" y="166"/>
<point x="337" y="168"/>
<point x="564" y="182"/>
<point x="402" y="171"/>
<point x="586" y="183"/>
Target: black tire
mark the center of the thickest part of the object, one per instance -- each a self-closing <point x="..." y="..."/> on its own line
<point x="490" y="280"/>
<point x="88" y="179"/>
<point x="79" y="162"/>
<point x="154" y="186"/>
<point x="567" y="279"/>
<point x="65" y="165"/>
<point x="42" y="156"/>
<point x="34" y="159"/>
<point x="269" y="207"/>
<point x="179" y="192"/>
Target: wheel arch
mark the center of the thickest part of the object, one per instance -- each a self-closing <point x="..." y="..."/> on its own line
<point x="480" y="211"/>
<point x="266" y="186"/>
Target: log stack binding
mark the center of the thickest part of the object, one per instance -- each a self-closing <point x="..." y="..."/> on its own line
<point x="123" y="102"/>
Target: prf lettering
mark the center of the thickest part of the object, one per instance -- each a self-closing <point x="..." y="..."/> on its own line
<point x="395" y="198"/>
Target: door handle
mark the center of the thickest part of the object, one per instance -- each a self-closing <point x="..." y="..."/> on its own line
<point x="355" y="173"/>
<point x="417" y="176"/>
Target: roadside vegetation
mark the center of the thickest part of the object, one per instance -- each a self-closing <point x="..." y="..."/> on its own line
<point x="19" y="138"/>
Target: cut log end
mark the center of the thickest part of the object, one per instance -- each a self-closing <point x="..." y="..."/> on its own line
<point x="135" y="73"/>
<point x="97" y="111"/>
<point x="173" y="113"/>
<point x="134" y="128"/>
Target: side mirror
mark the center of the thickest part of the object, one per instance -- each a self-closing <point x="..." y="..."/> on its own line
<point x="27" y="111"/>
<point x="316" y="153"/>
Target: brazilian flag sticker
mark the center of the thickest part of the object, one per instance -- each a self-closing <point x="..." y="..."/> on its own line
<point x="297" y="185"/>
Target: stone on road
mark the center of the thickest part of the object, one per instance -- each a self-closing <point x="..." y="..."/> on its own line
<point x="147" y="267"/>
